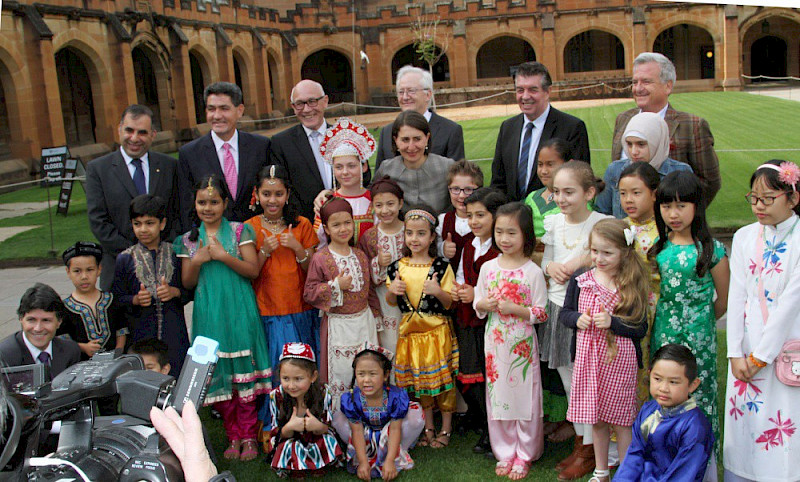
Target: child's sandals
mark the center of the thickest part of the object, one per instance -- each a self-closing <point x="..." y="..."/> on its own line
<point x="233" y="450"/>
<point x="249" y="450"/>
<point x="600" y="475"/>
<point x="442" y="440"/>
<point x="426" y="438"/>
<point x="503" y="468"/>
<point x="519" y="470"/>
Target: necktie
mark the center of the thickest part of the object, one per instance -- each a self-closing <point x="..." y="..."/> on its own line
<point x="138" y="176"/>
<point x="230" y="170"/>
<point x="522" y="168"/>
<point x="44" y="358"/>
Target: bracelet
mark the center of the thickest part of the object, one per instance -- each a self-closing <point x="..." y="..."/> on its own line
<point x="755" y="361"/>
<point x="301" y="261"/>
<point x="262" y="251"/>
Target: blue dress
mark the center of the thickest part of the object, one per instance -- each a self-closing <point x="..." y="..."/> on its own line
<point x="376" y="422"/>
<point x="671" y="445"/>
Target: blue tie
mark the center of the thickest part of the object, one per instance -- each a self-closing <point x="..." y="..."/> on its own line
<point x="138" y="176"/>
<point x="44" y="358"/>
<point x="522" y="169"/>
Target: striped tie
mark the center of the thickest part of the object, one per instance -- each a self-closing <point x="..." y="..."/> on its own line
<point x="522" y="172"/>
<point x="230" y="170"/>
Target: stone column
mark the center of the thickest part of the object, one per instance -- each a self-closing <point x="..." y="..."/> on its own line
<point x="459" y="58"/>
<point x="731" y="50"/>
<point x="182" y="80"/>
<point x="549" y="56"/>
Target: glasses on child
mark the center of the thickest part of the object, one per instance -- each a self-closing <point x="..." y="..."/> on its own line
<point x="455" y="191"/>
<point x="766" y="200"/>
<point x="310" y="102"/>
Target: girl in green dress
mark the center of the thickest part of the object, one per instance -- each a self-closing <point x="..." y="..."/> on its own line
<point x="692" y="265"/>
<point x="218" y="260"/>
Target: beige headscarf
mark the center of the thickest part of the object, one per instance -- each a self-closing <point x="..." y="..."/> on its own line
<point x="652" y="128"/>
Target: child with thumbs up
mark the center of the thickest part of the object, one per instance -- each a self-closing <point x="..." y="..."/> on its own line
<point x="453" y="232"/>
<point x="147" y="280"/>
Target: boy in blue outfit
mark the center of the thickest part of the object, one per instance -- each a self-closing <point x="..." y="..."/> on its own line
<point x="672" y="438"/>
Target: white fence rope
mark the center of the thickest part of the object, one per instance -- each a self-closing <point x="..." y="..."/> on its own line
<point x="769" y="77"/>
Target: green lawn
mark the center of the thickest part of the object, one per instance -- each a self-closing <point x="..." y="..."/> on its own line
<point x="739" y="121"/>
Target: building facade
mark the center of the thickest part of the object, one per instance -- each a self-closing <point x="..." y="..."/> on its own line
<point x="69" y="67"/>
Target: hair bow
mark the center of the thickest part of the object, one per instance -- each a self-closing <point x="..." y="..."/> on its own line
<point x="630" y="236"/>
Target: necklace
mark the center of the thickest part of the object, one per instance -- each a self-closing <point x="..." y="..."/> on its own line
<point x="578" y="238"/>
<point x="274" y="227"/>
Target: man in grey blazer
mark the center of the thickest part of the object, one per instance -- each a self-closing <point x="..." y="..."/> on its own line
<point x="517" y="148"/>
<point x="414" y="92"/>
<point x="40" y="312"/>
<point x="112" y="181"/>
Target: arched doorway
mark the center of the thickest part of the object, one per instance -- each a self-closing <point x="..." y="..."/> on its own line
<point x="408" y="56"/>
<point x="690" y="48"/>
<point x="332" y="70"/>
<point x="146" y="75"/>
<point x="77" y="102"/>
<point x="238" y="78"/>
<point x="594" y="50"/>
<point x="5" y="124"/>
<point x="768" y="57"/>
<point x="198" y="85"/>
<point x="496" y="57"/>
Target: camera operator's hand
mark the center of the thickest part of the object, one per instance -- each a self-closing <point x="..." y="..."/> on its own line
<point x="90" y="347"/>
<point x="185" y="436"/>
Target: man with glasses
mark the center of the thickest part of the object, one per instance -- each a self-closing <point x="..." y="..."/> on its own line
<point x="690" y="138"/>
<point x="414" y="92"/>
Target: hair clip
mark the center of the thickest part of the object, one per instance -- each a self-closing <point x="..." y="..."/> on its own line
<point x="210" y="188"/>
<point x="272" y="180"/>
<point x="630" y="236"/>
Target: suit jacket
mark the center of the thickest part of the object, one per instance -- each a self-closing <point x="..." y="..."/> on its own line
<point x="447" y="140"/>
<point x="14" y="353"/>
<point x="110" y="190"/>
<point x="506" y="153"/>
<point x="199" y="158"/>
<point x="690" y="141"/>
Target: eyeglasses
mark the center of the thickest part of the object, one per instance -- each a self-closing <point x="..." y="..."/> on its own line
<point x="766" y="200"/>
<point x="310" y="102"/>
<point x="455" y="191"/>
<point x="409" y="92"/>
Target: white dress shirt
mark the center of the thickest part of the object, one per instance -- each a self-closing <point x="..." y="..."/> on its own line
<point x="325" y="169"/>
<point x="132" y="168"/>
<point x="234" y="143"/>
<point x="35" y="351"/>
<point x="536" y="136"/>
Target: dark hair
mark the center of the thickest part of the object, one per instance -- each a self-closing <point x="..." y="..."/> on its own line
<point x="152" y="346"/>
<point x="679" y="354"/>
<point x="386" y="184"/>
<point x="382" y="360"/>
<point x="645" y="172"/>
<point x="524" y="216"/>
<point x="685" y="187"/>
<point x="491" y="199"/>
<point x="314" y="398"/>
<point x="414" y="119"/>
<point x="214" y="182"/>
<point x="465" y="168"/>
<point x="291" y="210"/>
<point x="433" y="251"/>
<point x="530" y="69"/>
<point x="147" y="205"/>
<point x="772" y="180"/>
<point x="224" y="88"/>
<point x="136" y="111"/>
<point x="562" y="147"/>
<point x="40" y="297"/>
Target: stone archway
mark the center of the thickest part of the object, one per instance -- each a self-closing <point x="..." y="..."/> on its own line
<point x="331" y="69"/>
<point x="199" y="68"/>
<point x="77" y="102"/>
<point x="691" y="49"/>
<point x="768" y="57"/>
<point x="771" y="47"/>
<point x="496" y="57"/>
<point x="594" y="50"/>
<point x="151" y="80"/>
<point x="408" y="56"/>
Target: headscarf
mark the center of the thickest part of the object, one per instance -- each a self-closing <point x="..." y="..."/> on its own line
<point x="332" y="206"/>
<point x="652" y="128"/>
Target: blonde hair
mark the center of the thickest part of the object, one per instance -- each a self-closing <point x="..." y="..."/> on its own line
<point x="632" y="279"/>
<point x="582" y="173"/>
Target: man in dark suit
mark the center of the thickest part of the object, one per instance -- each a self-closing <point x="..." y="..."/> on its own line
<point x="40" y="312"/>
<point x="517" y="148"/>
<point x="297" y="148"/>
<point x="690" y="138"/>
<point x="225" y="152"/>
<point x="414" y="92"/>
<point x="112" y="181"/>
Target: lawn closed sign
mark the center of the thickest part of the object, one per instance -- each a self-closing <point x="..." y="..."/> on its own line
<point x="53" y="159"/>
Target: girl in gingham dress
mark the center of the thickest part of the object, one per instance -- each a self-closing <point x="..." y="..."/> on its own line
<point x="607" y="308"/>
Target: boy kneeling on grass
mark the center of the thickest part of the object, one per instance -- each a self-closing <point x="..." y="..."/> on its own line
<point x="672" y="438"/>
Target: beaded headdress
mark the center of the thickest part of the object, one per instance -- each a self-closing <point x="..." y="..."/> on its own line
<point x="347" y="138"/>
<point x="297" y="350"/>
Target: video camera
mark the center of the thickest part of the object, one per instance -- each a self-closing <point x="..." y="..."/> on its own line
<point x="94" y="448"/>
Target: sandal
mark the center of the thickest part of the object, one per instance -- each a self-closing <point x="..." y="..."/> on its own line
<point x="249" y="450"/>
<point x="501" y="469"/>
<point x="600" y="475"/>
<point x="440" y="444"/>
<point x="425" y="440"/>
<point x="563" y="432"/>
<point x="519" y="470"/>
<point x="232" y="452"/>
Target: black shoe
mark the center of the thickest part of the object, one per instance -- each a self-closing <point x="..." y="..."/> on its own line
<point x="215" y="414"/>
<point x="483" y="446"/>
<point x="461" y="423"/>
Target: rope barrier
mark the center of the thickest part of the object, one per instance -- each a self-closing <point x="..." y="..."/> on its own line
<point x="36" y="181"/>
<point x="769" y="77"/>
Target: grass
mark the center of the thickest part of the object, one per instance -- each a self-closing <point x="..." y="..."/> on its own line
<point x="456" y="463"/>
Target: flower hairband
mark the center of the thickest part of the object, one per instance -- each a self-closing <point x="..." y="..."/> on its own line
<point x="377" y="349"/>
<point x="420" y="213"/>
<point x="630" y="236"/>
<point x="788" y="173"/>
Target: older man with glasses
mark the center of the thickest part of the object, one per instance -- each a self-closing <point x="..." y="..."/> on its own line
<point x="414" y="92"/>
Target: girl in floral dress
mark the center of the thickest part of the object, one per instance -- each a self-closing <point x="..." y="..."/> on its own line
<point x="692" y="265"/>
<point x="606" y="307"/>
<point x="762" y="412"/>
<point x="511" y="290"/>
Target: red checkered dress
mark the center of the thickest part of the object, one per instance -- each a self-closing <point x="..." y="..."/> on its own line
<point x="601" y="391"/>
